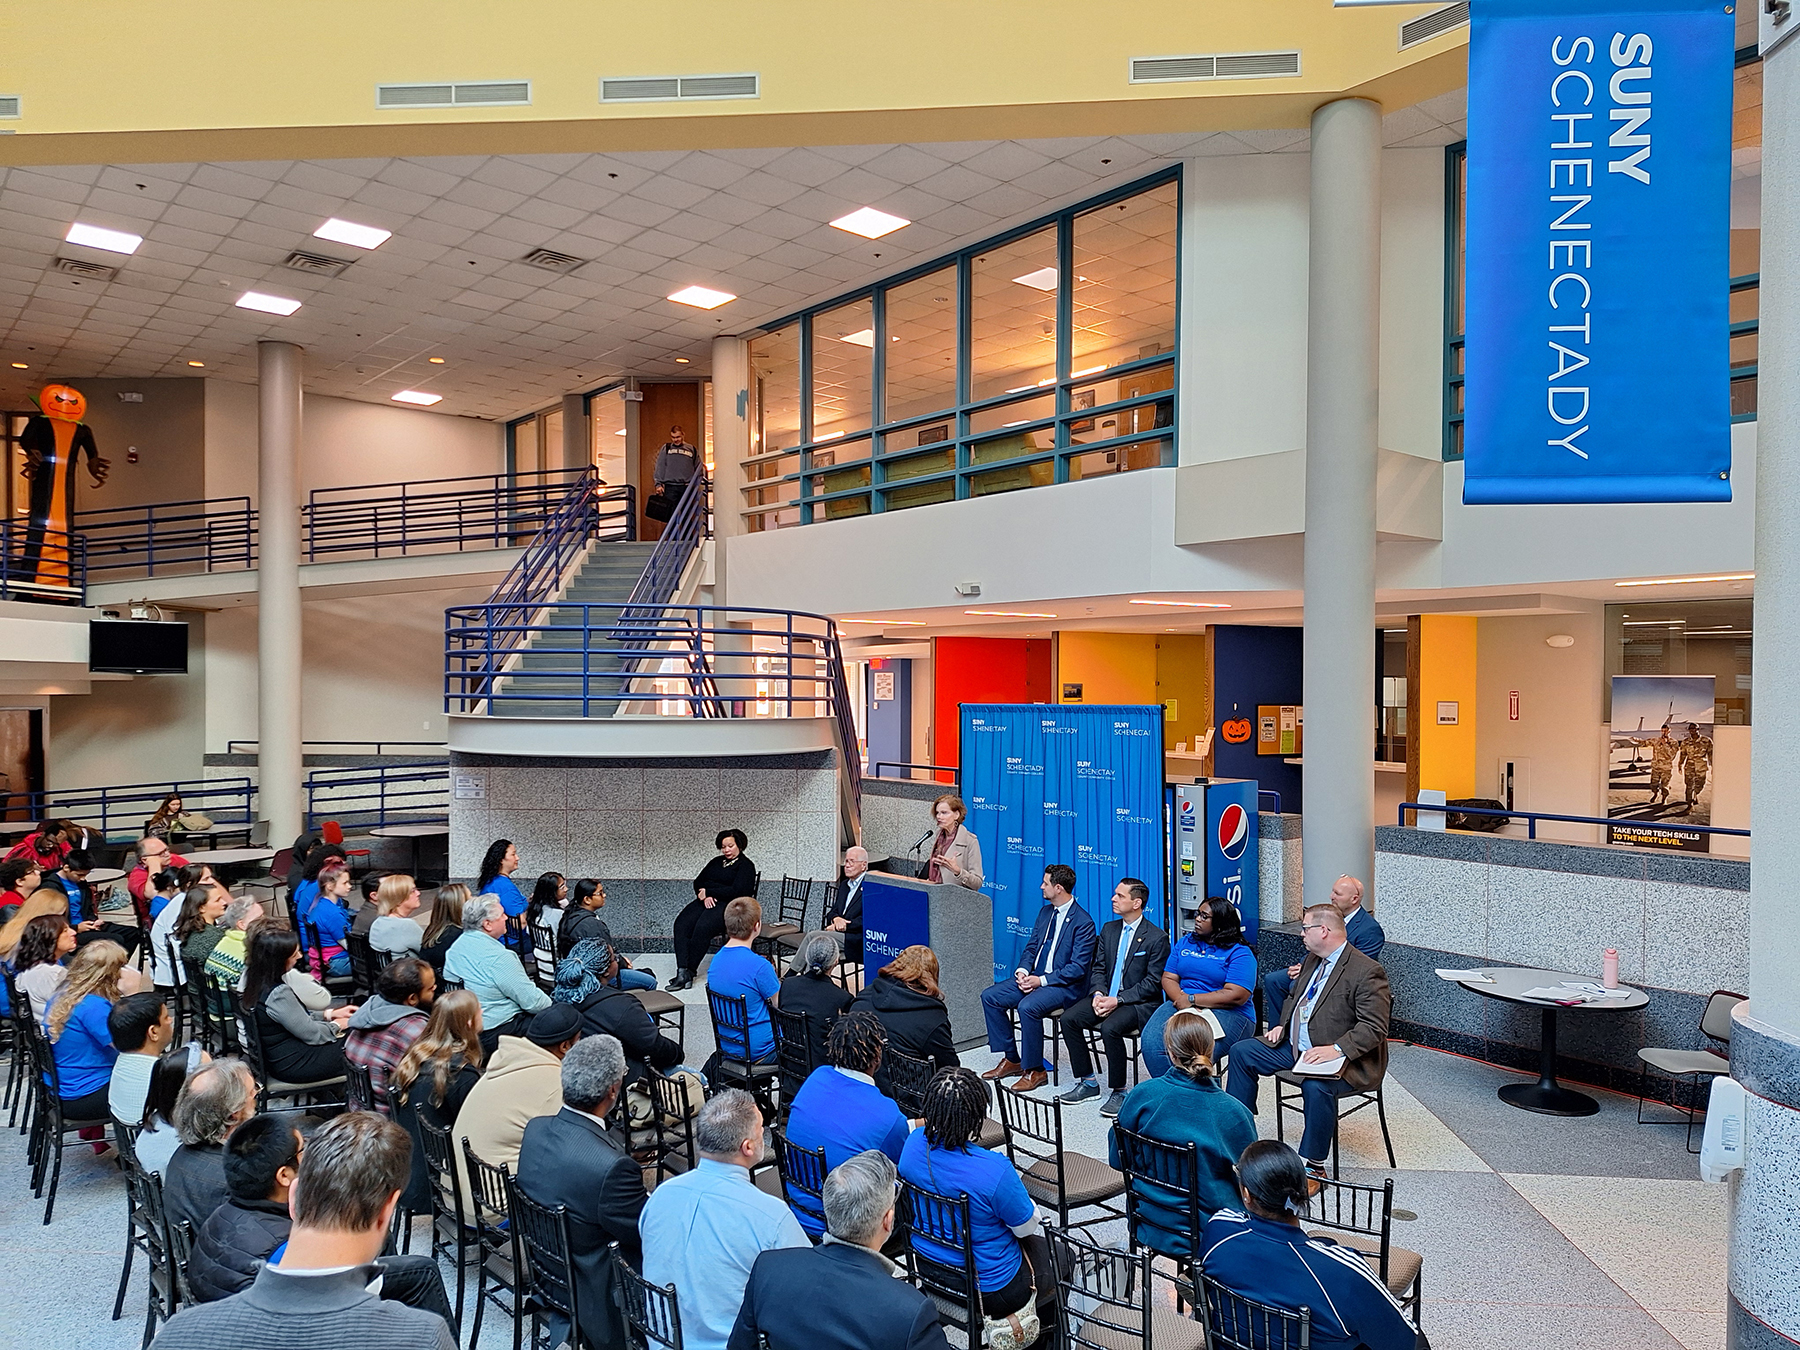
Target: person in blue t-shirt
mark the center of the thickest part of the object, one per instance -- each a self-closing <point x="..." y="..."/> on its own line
<point x="80" y="1039"/>
<point x="739" y="971"/>
<point x="839" y="1108"/>
<point x="329" y="915"/>
<point x="942" y="1158"/>
<point x="1360" y="929"/>
<point x="495" y="877"/>
<point x="1209" y="968"/>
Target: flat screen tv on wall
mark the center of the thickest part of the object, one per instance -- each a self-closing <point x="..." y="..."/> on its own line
<point x="137" y="647"/>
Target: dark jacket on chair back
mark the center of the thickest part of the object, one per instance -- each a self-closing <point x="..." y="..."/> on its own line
<point x="232" y="1245"/>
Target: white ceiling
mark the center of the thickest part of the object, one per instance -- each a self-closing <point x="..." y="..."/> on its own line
<point x="450" y="283"/>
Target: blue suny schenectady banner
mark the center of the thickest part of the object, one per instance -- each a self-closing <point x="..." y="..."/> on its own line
<point x="1062" y="783"/>
<point x="1599" y="170"/>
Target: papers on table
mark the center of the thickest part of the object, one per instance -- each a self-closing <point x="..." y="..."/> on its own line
<point x="1465" y="976"/>
<point x="1329" y="1068"/>
<point x="1576" y="991"/>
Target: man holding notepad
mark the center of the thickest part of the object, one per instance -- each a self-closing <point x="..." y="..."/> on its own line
<point x="1332" y="1028"/>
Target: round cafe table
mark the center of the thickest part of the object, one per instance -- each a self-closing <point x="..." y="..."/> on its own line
<point x="1547" y="1097"/>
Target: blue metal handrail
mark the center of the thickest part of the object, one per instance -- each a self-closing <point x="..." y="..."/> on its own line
<point x="370" y="796"/>
<point x="1533" y="817"/>
<point x="210" y="534"/>
<point x="226" y="800"/>
<point x="680" y="537"/>
<point x="26" y="573"/>
<point x="1268" y="792"/>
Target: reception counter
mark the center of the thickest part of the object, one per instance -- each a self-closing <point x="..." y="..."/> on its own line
<point x="955" y="922"/>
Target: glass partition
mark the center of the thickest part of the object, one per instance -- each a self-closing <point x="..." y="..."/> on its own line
<point x="842" y="369"/>
<point x="1124" y="292"/>
<point x="921" y="345"/>
<point x="1012" y="316"/>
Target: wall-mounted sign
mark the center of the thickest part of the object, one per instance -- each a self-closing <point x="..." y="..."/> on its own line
<point x="1071" y="693"/>
<point x="1447" y="712"/>
<point x="884" y="686"/>
<point x="1278" y="729"/>
<point x="470" y="787"/>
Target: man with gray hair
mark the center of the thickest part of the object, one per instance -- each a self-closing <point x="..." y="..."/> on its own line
<point x="703" y="1230"/>
<point x="842" y="1294"/>
<point x="573" y="1159"/>
<point x="492" y="972"/>
<point x="215" y="1099"/>
<point x="843" y="907"/>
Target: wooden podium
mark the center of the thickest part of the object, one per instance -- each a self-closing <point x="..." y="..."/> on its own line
<point x="954" y="921"/>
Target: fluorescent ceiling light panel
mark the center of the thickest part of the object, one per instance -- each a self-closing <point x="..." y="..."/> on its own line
<point x="424" y="400"/>
<point x="1689" y="581"/>
<point x="700" y="297"/>
<point x="889" y="623"/>
<point x="267" y="304"/>
<point x="113" y="241"/>
<point x="1183" y="604"/>
<point x="870" y="223"/>
<point x="862" y="338"/>
<point x="349" y="232"/>
<point x="1009" y="613"/>
<point x="1044" y="279"/>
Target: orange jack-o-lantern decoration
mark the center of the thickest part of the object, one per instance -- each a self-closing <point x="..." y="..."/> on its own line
<point x="62" y="402"/>
<point x="1236" y="731"/>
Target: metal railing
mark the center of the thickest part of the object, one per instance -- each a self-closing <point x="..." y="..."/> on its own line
<point x="42" y="565"/>
<point x="214" y="534"/>
<point x="1531" y="819"/>
<point x="348" y="747"/>
<point x="875" y="770"/>
<point x="121" y="810"/>
<point x="680" y="537"/>
<point x="451" y="514"/>
<point x="365" y="797"/>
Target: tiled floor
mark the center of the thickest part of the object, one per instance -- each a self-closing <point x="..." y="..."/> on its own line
<point x="1538" y="1233"/>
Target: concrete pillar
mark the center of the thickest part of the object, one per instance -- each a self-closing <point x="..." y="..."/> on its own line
<point x="1342" y="346"/>
<point x="730" y="448"/>
<point x="574" y="451"/>
<point x="1764" y="1304"/>
<point x="278" y="647"/>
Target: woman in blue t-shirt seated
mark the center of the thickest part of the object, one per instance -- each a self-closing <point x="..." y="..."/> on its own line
<point x="495" y="878"/>
<point x="942" y="1158"/>
<point x="80" y="1039"/>
<point x="1209" y="968"/>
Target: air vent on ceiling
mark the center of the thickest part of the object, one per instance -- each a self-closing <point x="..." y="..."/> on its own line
<point x="86" y="270"/>
<point x="552" y="261"/>
<point x="9" y="105"/>
<point x="1427" y="26"/>
<point x="316" y="263"/>
<point x="1228" y="66"/>
<point x="671" y="88"/>
<point x="485" y="94"/>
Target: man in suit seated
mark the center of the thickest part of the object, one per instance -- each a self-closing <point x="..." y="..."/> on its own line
<point x="1364" y="932"/>
<point x="1127" y="981"/>
<point x="843" y="907"/>
<point x="1339" y="1006"/>
<point x="572" y="1159"/>
<point x="842" y="1294"/>
<point x="1052" y="974"/>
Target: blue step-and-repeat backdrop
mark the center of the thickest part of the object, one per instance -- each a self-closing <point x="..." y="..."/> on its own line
<point x="1062" y="783"/>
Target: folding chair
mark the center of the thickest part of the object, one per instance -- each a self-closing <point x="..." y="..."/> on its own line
<point x="549" y="1267"/>
<point x="1362" y="1217"/>
<point x="450" y="1224"/>
<point x="1290" y="1095"/>
<point x="1053" y="1175"/>
<point x="1168" y="1177"/>
<point x="731" y="1027"/>
<point x="498" y="1245"/>
<point x="790" y="923"/>
<point x="1109" y="1302"/>
<point x="793" y="1052"/>
<point x="802" y="1172"/>
<point x="1238" y="1323"/>
<point x="652" y="1312"/>
<point x="268" y="1086"/>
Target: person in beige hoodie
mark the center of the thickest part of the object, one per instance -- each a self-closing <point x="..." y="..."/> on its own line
<point x="522" y="1081"/>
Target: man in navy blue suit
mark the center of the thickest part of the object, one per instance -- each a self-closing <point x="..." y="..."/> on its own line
<point x="1052" y="974"/>
<point x="1360" y="926"/>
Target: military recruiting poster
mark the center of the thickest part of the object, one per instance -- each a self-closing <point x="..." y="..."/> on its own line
<point x="1659" y="771"/>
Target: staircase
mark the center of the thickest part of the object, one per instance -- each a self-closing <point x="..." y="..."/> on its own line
<point x="606" y="576"/>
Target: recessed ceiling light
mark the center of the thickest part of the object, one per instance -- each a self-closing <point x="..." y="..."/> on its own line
<point x="1044" y="279"/>
<point x="349" y="232"/>
<point x="20" y="365"/>
<point x="700" y="297"/>
<point x="415" y="396"/>
<point x="862" y="338"/>
<point x="1091" y="370"/>
<point x="1183" y="604"/>
<point x="870" y="223"/>
<point x="889" y="623"/>
<point x="1010" y="613"/>
<point x="200" y="364"/>
<point x="435" y="360"/>
<point x="113" y="241"/>
<point x="267" y="304"/>
<point x="1686" y="581"/>
<point x="682" y="361"/>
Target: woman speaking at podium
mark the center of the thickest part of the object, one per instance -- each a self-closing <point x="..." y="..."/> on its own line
<point x="955" y="852"/>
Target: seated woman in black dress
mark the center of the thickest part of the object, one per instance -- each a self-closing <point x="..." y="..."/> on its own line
<point x="809" y="989"/>
<point x="721" y="881"/>
<point x="298" y="1045"/>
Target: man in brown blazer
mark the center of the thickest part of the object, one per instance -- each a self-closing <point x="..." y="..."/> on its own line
<point x="1339" y="1007"/>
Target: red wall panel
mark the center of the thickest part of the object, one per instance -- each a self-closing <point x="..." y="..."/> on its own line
<point x="982" y="670"/>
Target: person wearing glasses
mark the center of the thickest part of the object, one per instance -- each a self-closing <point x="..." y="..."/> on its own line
<point x="1210" y="969"/>
<point x="1364" y="932"/>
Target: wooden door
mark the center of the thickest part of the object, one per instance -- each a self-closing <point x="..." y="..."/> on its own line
<point x="664" y="406"/>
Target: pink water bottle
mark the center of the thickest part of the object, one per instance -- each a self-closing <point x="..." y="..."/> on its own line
<point x="1609" y="968"/>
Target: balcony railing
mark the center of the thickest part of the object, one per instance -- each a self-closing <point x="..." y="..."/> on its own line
<point x="119" y="811"/>
<point x="366" y="797"/>
<point x="216" y="534"/>
<point x="48" y="566"/>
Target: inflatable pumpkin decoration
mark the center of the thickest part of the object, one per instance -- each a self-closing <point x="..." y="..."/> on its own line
<point x="53" y="442"/>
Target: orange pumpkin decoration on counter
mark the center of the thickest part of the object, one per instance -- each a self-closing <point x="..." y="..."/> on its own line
<point x="1236" y="731"/>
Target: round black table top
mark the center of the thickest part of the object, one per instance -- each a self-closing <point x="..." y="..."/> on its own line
<point x="1511" y="982"/>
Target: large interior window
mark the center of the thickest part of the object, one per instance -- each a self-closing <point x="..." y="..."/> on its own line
<point x="1686" y="637"/>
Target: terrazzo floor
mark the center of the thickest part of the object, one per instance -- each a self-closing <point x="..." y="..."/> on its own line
<point x="1538" y="1233"/>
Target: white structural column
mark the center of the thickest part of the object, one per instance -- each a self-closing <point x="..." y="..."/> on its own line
<point x="1342" y="349"/>
<point x="1764" y="1306"/>
<point x="278" y="647"/>
<point x="573" y="453"/>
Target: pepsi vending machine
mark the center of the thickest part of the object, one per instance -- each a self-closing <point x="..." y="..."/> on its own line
<point x="1215" y="850"/>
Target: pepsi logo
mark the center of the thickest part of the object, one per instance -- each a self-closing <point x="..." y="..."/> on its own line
<point x="1234" y="831"/>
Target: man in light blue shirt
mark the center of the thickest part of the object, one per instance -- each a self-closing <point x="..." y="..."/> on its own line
<point x="704" y="1229"/>
<point x="492" y="972"/>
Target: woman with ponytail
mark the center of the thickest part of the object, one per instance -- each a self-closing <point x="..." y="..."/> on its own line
<point x="1186" y="1106"/>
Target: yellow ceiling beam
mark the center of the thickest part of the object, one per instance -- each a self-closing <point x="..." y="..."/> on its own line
<point x="222" y="79"/>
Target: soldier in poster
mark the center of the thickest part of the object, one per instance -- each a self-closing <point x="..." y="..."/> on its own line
<point x="1696" y="763"/>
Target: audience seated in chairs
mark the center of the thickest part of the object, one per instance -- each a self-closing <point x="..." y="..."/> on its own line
<point x="495" y="877"/>
<point x="727" y="877"/>
<point x="522" y="1081"/>
<point x="809" y="988"/>
<point x="226" y="961"/>
<point x="298" y="1044"/>
<point x="380" y="1032"/>
<point x="703" y="1230"/>
<point x="842" y="1295"/>
<point x="317" y="1296"/>
<point x="327" y="915"/>
<point x="1186" y="1106"/>
<point x="1339" y="1007"/>
<point x="906" y="998"/>
<point x="584" y="982"/>
<point x="197" y="929"/>
<point x="157" y="1138"/>
<point x="1127" y="980"/>
<point x="367" y="911"/>
<point x="944" y="1159"/>
<point x="444" y="926"/>
<point x="581" y="922"/>
<point x="141" y="1030"/>
<point x="84" y="906"/>
<point x="393" y="931"/>
<point x="20" y="879"/>
<point x="840" y="1110"/>
<point x="261" y="1159"/>
<point x="154" y="856"/>
<point x="215" y="1099"/>
<point x="739" y="972"/>
<point x="80" y="1039"/>
<point x="1211" y="967"/>
<point x="1052" y="974"/>
<point x="545" y="910"/>
<point x="164" y="889"/>
<point x="48" y="939"/>
<point x="573" y="1159"/>
<point x="843" y="906"/>
<point x="1262" y="1253"/>
<point x="433" y="1080"/>
<point x="491" y="971"/>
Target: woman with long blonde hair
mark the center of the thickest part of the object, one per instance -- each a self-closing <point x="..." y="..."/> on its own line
<point x="80" y="1039"/>
<point x="437" y="1072"/>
